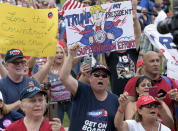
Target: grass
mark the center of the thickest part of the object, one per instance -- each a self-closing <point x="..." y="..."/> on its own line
<point x="66" y="120"/>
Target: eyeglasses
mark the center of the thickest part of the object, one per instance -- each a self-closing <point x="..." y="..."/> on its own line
<point x="150" y="105"/>
<point x="97" y="74"/>
<point x="18" y="62"/>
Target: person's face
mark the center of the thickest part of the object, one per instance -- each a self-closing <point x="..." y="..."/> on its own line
<point x="152" y="64"/>
<point x="99" y="80"/>
<point x="149" y="111"/>
<point x="97" y="17"/>
<point x="143" y="88"/>
<point x="34" y="107"/>
<point x="16" y="67"/>
<point x="59" y="56"/>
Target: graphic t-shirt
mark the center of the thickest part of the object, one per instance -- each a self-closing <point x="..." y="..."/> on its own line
<point x="90" y="114"/>
<point x="122" y="67"/>
<point x="9" y="118"/>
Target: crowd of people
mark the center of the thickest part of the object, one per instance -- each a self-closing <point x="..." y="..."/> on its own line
<point x="112" y="91"/>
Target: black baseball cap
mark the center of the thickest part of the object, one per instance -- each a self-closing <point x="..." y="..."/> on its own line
<point x="13" y="54"/>
<point x="30" y="91"/>
<point x="100" y="67"/>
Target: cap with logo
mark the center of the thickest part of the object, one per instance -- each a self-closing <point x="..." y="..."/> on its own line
<point x="146" y="99"/>
<point x="100" y="67"/>
<point x="30" y="91"/>
<point x="13" y="54"/>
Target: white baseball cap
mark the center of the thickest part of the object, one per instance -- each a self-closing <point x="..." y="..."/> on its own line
<point x="1" y="98"/>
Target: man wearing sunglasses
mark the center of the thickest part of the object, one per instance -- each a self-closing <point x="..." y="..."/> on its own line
<point x="94" y="107"/>
<point x="15" y="81"/>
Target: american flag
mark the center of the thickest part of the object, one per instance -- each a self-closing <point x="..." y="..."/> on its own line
<point x="71" y="4"/>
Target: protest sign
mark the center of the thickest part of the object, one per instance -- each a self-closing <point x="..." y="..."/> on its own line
<point x="165" y="45"/>
<point x="31" y="30"/>
<point x="101" y="28"/>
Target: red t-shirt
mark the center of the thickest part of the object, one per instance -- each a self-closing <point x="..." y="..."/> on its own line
<point x="160" y="83"/>
<point x="19" y="126"/>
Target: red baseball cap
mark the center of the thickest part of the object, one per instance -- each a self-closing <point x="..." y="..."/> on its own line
<point x="139" y="63"/>
<point x="146" y="99"/>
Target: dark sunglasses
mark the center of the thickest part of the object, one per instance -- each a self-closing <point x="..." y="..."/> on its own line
<point x="97" y="74"/>
<point x="18" y="62"/>
<point x="155" y="105"/>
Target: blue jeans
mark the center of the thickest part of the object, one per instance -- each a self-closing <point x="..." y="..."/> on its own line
<point x="64" y="108"/>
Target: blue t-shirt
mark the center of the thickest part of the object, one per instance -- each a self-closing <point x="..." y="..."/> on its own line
<point x="11" y="91"/>
<point x="9" y="118"/>
<point x="88" y="113"/>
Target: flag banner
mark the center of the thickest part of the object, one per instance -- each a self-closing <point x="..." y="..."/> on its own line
<point x="165" y="45"/>
<point x="100" y="28"/>
<point x="33" y="31"/>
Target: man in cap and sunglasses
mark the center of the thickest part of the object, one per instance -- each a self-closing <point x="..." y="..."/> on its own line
<point x="15" y="81"/>
<point x="94" y="107"/>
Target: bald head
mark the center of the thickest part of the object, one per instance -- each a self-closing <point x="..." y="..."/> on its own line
<point x="151" y="64"/>
<point x="149" y="54"/>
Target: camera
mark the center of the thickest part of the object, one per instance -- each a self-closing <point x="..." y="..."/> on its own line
<point x="170" y="25"/>
<point x="47" y="85"/>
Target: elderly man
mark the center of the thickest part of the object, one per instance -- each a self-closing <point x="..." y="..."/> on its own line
<point x="94" y="107"/>
<point x="15" y="81"/>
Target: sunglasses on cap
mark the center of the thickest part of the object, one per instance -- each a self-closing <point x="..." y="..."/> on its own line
<point x="97" y="74"/>
<point x="150" y="105"/>
<point x="18" y="62"/>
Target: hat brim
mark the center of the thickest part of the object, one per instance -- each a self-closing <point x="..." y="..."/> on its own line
<point x="103" y="69"/>
<point x="150" y="102"/>
<point x="33" y="94"/>
<point x="15" y="57"/>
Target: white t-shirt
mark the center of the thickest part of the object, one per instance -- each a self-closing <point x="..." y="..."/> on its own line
<point x="161" y="16"/>
<point x="137" y="126"/>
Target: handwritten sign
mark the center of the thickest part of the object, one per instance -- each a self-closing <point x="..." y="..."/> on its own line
<point x="101" y="28"/>
<point x="31" y="30"/>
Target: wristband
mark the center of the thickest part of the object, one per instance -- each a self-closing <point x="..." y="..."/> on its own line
<point x="120" y="110"/>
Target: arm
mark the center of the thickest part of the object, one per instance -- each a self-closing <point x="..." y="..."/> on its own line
<point x="130" y="110"/>
<point x="137" y="29"/>
<point x="119" y="122"/>
<point x="41" y="75"/>
<point x="166" y="115"/>
<point x="14" y="106"/>
<point x="31" y="62"/>
<point x="69" y="82"/>
<point x="3" y="71"/>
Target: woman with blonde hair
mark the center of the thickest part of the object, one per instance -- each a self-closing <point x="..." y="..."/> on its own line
<point x="56" y="90"/>
<point x="145" y="118"/>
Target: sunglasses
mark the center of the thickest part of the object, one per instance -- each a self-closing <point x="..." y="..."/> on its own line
<point x="155" y="105"/>
<point x="97" y="74"/>
<point x="18" y="62"/>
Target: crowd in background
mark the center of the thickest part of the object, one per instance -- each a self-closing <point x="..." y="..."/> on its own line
<point x="79" y="86"/>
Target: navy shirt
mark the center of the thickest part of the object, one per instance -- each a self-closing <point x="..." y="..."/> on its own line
<point x="11" y="91"/>
<point x="9" y="118"/>
<point x="88" y="113"/>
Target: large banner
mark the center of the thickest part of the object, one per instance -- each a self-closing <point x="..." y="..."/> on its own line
<point x="165" y="45"/>
<point x="33" y="31"/>
<point x="101" y="28"/>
